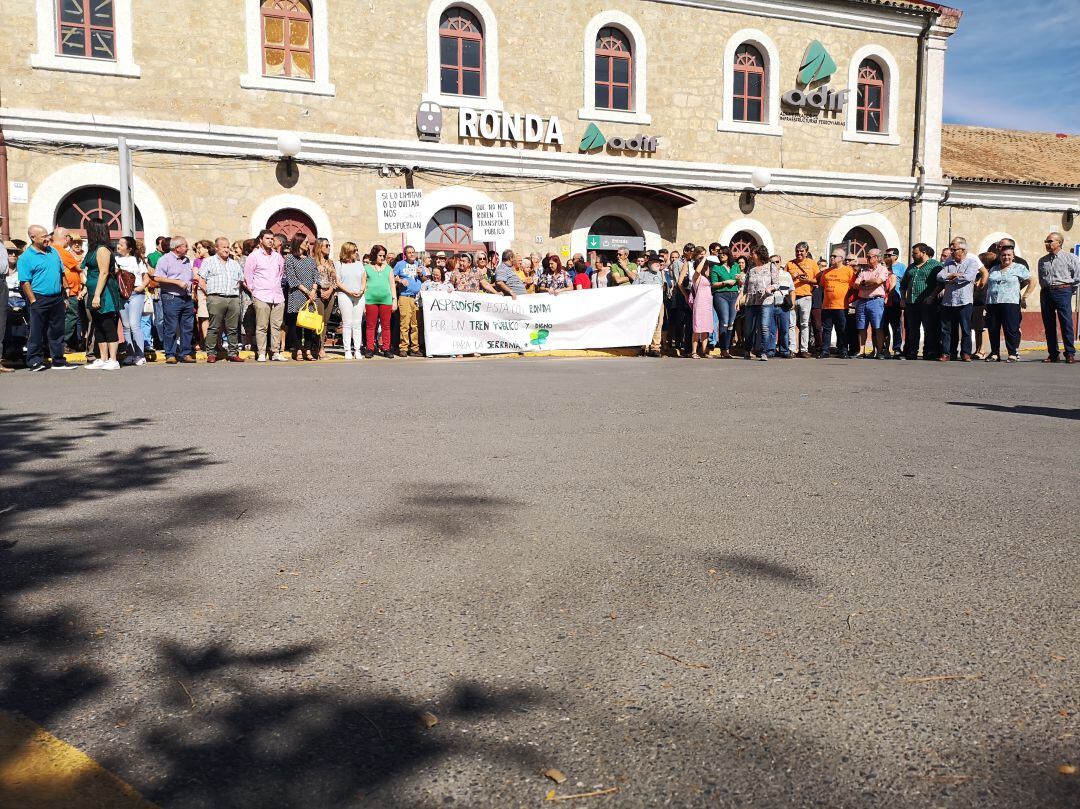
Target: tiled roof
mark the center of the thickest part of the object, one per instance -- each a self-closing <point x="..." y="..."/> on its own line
<point x="950" y="17"/>
<point x="980" y="154"/>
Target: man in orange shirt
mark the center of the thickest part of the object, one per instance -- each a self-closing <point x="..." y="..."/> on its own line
<point x="74" y="312"/>
<point x="804" y="271"/>
<point x="835" y="285"/>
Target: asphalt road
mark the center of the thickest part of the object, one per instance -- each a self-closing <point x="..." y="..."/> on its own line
<point x="708" y="584"/>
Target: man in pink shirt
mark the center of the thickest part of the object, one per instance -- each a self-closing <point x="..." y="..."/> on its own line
<point x="872" y="286"/>
<point x="263" y="272"/>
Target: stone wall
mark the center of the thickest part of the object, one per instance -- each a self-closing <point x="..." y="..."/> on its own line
<point x="191" y="64"/>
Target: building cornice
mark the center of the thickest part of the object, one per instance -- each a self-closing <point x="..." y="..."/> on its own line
<point x="1013" y="197"/>
<point x="861" y="17"/>
<point x="206" y="139"/>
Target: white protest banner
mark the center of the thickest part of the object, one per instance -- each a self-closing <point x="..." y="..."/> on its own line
<point x="464" y="323"/>
<point x="399" y="210"/>
<point x="493" y="222"/>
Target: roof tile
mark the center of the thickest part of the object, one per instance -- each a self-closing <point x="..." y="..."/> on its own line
<point x="981" y="154"/>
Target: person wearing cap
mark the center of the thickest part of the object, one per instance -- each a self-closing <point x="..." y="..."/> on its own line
<point x="652" y="274"/>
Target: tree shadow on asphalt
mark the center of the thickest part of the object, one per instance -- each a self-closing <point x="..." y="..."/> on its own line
<point x="290" y="745"/>
<point x="746" y="565"/>
<point x="1071" y="414"/>
<point x="444" y="511"/>
<point x="310" y="747"/>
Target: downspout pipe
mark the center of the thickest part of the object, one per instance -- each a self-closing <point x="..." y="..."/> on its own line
<point x="918" y="167"/>
<point x="5" y="222"/>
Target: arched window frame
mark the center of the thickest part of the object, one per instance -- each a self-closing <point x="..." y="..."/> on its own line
<point x="255" y="80"/>
<point x="748" y="71"/>
<point x="639" y="71"/>
<point x="889" y="134"/>
<point x="770" y="123"/>
<point x="871" y="77"/>
<point x="624" y="53"/>
<point x="489" y="25"/>
<point x="48" y="57"/>
<point x="460" y="37"/>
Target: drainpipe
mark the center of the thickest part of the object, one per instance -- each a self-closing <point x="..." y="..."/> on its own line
<point x="5" y="223"/>
<point x="918" y="169"/>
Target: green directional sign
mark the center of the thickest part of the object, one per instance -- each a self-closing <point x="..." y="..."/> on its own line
<point x="594" y="139"/>
<point x="817" y="64"/>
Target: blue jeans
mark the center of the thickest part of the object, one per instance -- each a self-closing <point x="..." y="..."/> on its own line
<point x="829" y="319"/>
<point x="779" y="327"/>
<point x="148" y="331"/>
<point x="47" y="314"/>
<point x="131" y="316"/>
<point x="757" y="321"/>
<point x="159" y="321"/>
<point x="956" y="329"/>
<point x="1057" y="304"/>
<point x="724" y="304"/>
<point x="178" y="318"/>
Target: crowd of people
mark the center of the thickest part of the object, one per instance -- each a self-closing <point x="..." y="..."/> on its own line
<point x="289" y="301"/>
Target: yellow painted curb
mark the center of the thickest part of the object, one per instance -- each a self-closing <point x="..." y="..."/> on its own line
<point x="38" y="771"/>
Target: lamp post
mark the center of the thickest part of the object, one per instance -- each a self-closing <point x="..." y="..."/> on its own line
<point x="289" y="146"/>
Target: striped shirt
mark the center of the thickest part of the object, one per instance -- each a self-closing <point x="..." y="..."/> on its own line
<point x="222" y="277"/>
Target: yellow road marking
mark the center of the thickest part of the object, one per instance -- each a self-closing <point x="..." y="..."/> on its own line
<point x="38" y="771"/>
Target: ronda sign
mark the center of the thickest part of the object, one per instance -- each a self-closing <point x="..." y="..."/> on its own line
<point x="511" y="128"/>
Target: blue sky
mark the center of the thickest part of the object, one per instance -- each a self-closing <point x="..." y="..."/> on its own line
<point x="1015" y="64"/>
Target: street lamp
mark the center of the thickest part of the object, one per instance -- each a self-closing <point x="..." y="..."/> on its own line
<point x="761" y="178"/>
<point x="289" y="146"/>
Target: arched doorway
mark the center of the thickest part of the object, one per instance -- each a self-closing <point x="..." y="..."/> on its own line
<point x="859" y="242"/>
<point x="611" y="233"/>
<point x="289" y="222"/>
<point x="743" y="244"/>
<point x="94" y="202"/>
<point x="451" y="231"/>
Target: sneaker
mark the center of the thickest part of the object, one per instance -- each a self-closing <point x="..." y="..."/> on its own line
<point x="764" y="358"/>
<point x="1013" y="358"/>
<point x="349" y="355"/>
<point x="111" y="365"/>
<point x="41" y="367"/>
<point x="388" y="354"/>
<point x="63" y="367"/>
<point x="261" y="358"/>
<point x="279" y="357"/>
<point x="141" y="361"/>
<point x="367" y="353"/>
<point x="96" y="365"/>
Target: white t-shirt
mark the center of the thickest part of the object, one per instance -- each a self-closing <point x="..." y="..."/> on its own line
<point x="351" y="276"/>
<point x="132" y="265"/>
<point x="787" y="283"/>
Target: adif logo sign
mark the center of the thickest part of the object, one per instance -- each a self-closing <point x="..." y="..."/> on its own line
<point x="594" y="140"/>
<point x="817" y="65"/>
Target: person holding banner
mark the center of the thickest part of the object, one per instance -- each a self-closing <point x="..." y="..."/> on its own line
<point x="408" y="275"/>
<point x="507" y="281"/>
<point x="380" y="299"/>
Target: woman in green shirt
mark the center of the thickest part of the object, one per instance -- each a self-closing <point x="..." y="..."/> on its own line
<point x="724" y="276"/>
<point x="104" y="294"/>
<point x="380" y="301"/>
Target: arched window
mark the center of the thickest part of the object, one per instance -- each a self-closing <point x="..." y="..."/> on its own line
<point x="614" y="70"/>
<point x="748" y="87"/>
<point x="461" y="53"/>
<point x="287" y="39"/>
<point x="94" y="202"/>
<point x="451" y="230"/>
<point x="858" y="242"/>
<point x="743" y="244"/>
<point x="86" y="28"/>
<point x="871" y="102"/>
<point x="289" y="222"/>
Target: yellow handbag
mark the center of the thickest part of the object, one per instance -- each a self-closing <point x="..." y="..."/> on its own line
<point x="309" y="318"/>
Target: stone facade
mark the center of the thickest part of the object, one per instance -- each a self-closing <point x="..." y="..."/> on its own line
<point x="203" y="129"/>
